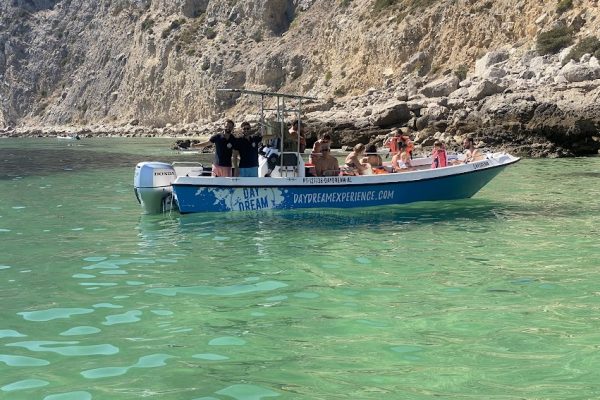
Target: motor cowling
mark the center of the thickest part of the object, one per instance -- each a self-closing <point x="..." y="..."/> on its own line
<point x="152" y="185"/>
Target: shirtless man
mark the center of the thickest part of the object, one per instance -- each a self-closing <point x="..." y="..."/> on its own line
<point x="325" y="164"/>
<point x="471" y="153"/>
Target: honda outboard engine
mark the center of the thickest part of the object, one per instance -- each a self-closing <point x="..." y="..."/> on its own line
<point x="152" y="186"/>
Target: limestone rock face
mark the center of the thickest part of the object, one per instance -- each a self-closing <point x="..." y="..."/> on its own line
<point x="373" y="65"/>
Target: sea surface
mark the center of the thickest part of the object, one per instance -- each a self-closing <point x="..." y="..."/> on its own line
<point x="494" y="297"/>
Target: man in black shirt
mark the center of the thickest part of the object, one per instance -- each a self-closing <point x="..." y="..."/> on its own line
<point x="224" y="143"/>
<point x="248" y="146"/>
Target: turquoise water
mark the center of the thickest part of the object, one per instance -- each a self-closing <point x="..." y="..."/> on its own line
<point x="496" y="297"/>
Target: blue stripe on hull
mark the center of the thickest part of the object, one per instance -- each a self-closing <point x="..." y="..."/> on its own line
<point x="193" y="198"/>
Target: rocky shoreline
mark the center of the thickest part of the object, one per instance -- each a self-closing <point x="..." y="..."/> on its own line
<point x="530" y="105"/>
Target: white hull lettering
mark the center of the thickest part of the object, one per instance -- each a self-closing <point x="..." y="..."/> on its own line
<point x="481" y="164"/>
<point x="331" y="179"/>
<point x="254" y="204"/>
<point x="345" y="197"/>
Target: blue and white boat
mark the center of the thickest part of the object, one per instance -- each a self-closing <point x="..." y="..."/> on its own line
<point x="162" y="186"/>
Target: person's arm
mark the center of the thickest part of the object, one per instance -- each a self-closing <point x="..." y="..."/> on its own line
<point x="202" y="144"/>
<point x="235" y="158"/>
<point x="317" y="147"/>
<point x="468" y="156"/>
<point x="406" y="159"/>
<point x="361" y="166"/>
<point x="395" y="166"/>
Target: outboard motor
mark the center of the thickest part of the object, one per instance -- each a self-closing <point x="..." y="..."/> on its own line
<point x="152" y="186"/>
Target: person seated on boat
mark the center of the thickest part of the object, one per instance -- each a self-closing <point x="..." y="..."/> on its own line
<point x="438" y="155"/>
<point x="328" y="164"/>
<point x="371" y="157"/>
<point x="323" y="143"/>
<point x="224" y="143"/>
<point x="325" y="164"/>
<point x="298" y="134"/>
<point x="401" y="160"/>
<point x="397" y="137"/>
<point x="248" y="146"/>
<point x="353" y="161"/>
<point x="471" y="153"/>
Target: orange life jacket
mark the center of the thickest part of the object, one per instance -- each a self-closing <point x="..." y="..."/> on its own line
<point x="393" y="144"/>
<point x="439" y="159"/>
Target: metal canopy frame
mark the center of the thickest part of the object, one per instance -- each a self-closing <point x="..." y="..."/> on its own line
<point x="280" y="111"/>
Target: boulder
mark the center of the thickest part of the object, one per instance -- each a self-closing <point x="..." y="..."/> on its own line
<point x="440" y="87"/>
<point x="491" y="58"/>
<point x="435" y="112"/>
<point x="421" y="122"/>
<point x="401" y="95"/>
<point x="459" y="93"/>
<point x="412" y="87"/>
<point x="527" y="74"/>
<point x="576" y="72"/>
<point x="456" y="103"/>
<point x="391" y="113"/>
<point x="494" y="73"/>
<point x="484" y="89"/>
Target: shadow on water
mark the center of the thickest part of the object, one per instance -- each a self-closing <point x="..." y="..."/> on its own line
<point x="41" y="162"/>
<point x="322" y="220"/>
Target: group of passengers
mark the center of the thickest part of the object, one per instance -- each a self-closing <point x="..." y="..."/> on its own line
<point x="238" y="156"/>
<point x="245" y="147"/>
<point x="364" y="160"/>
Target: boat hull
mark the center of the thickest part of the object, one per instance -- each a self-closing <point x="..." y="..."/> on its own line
<point x="332" y="192"/>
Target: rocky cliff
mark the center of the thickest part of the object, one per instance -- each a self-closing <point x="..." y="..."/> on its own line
<point x="518" y="71"/>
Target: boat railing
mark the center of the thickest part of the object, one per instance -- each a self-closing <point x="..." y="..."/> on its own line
<point x="190" y="168"/>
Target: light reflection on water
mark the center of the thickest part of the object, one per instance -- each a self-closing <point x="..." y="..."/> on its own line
<point x="481" y="298"/>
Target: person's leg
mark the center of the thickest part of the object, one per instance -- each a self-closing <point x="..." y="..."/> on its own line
<point x="221" y="171"/>
<point x="251" y="172"/>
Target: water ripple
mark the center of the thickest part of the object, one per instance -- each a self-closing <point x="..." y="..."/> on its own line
<point x="24" y="384"/>
<point x="125" y="318"/>
<point x="227" y="341"/>
<point x="10" y="333"/>
<point x="219" y="291"/>
<point x="72" y="350"/>
<point x="80" y="330"/>
<point x="53" y="313"/>
<point x="80" y="395"/>
<point x="150" y="361"/>
<point x="210" y="357"/>
<point x="247" y="392"/>
<point x="22" y="361"/>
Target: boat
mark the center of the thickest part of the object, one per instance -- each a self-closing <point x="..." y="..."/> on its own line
<point x="189" y="188"/>
<point x="68" y="137"/>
